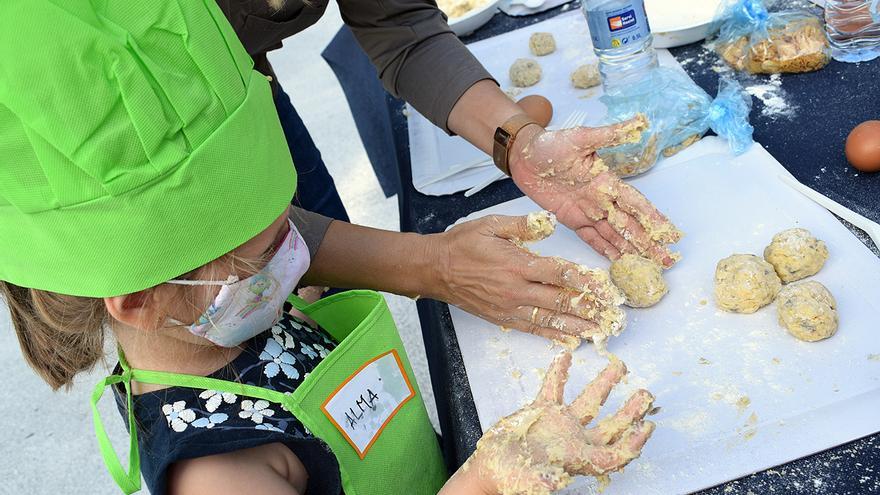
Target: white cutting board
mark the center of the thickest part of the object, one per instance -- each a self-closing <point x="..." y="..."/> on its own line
<point x="432" y="152"/>
<point x="806" y="397"/>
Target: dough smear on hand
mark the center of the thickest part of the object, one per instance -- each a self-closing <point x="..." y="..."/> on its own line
<point x="796" y="254"/>
<point x="640" y="279"/>
<point x="744" y="283"/>
<point x="808" y="311"/>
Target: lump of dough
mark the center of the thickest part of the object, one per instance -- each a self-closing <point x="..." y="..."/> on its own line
<point x="640" y="279"/>
<point x="808" y="311"/>
<point x="795" y="254"/>
<point x="541" y="224"/>
<point x="586" y="76"/>
<point x="525" y="72"/>
<point x="744" y="283"/>
<point x="542" y="44"/>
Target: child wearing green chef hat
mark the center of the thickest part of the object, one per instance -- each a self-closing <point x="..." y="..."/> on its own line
<point x="115" y="218"/>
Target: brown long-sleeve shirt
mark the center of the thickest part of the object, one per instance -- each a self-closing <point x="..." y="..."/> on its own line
<point x="416" y="55"/>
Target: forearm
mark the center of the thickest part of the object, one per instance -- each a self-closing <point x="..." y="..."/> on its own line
<point x="353" y="256"/>
<point x="479" y="111"/>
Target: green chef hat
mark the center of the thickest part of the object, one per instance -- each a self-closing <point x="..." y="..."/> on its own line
<point x="137" y="143"/>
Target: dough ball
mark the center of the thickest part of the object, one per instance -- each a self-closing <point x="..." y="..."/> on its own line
<point x="525" y="72"/>
<point x="744" y="283"/>
<point x="586" y="76"/>
<point x="808" y="311"/>
<point x="640" y="279"/>
<point x="542" y="44"/>
<point x="795" y="254"/>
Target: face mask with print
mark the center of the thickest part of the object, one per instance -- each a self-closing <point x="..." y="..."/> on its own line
<point x="245" y="308"/>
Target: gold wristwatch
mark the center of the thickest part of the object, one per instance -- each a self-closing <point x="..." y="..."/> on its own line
<point x="505" y="137"/>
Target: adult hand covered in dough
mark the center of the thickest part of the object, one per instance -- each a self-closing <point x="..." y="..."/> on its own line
<point x="539" y="448"/>
<point x="560" y="171"/>
<point x="486" y="270"/>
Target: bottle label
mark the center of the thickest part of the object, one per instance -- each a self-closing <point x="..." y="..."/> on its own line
<point x="617" y="28"/>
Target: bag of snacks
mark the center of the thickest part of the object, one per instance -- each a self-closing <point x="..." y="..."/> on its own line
<point x="752" y="39"/>
<point x="678" y="112"/>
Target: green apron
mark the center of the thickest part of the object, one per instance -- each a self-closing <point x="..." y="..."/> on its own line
<point x="380" y="435"/>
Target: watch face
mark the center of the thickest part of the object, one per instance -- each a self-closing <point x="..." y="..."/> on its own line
<point x="502" y="137"/>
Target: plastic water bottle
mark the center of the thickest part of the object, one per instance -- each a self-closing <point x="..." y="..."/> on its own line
<point x="621" y="39"/>
<point x="853" y="29"/>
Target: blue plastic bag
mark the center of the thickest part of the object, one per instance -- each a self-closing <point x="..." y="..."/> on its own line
<point x="749" y="37"/>
<point x="679" y="112"/>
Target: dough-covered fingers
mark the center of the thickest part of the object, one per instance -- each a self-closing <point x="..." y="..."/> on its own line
<point x="597" y="301"/>
<point x="611" y="428"/>
<point x="562" y="323"/>
<point x="580" y="310"/>
<point x="525" y="325"/>
<point x="628" y="228"/>
<point x="594" y="138"/>
<point x="596" y="461"/>
<point x="554" y="381"/>
<point x="587" y="405"/>
<point x="599" y="244"/>
<point x="619" y="239"/>
<point x="656" y="225"/>
<point x="543" y="445"/>
<point x="555" y="271"/>
<point x="527" y="228"/>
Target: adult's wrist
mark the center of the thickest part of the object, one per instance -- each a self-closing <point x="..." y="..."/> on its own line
<point x="433" y="273"/>
<point x="520" y="152"/>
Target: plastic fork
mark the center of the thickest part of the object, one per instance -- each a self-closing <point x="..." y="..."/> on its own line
<point x="457" y="169"/>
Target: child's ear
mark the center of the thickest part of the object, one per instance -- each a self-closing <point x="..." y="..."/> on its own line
<point x="137" y="310"/>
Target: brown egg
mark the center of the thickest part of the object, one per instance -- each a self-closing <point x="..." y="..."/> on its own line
<point x="863" y="146"/>
<point x="538" y="108"/>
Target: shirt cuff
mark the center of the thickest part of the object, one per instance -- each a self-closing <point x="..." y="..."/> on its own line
<point x="311" y="226"/>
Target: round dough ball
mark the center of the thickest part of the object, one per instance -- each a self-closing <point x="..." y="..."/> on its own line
<point x="586" y="76"/>
<point x="640" y="279"/>
<point x="744" y="283"/>
<point x="795" y="254"/>
<point x="525" y="72"/>
<point x="808" y="311"/>
<point x="542" y="44"/>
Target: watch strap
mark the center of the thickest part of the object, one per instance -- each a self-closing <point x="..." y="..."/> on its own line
<point x="505" y="136"/>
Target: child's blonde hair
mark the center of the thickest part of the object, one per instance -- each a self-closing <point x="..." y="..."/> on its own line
<point x="61" y="336"/>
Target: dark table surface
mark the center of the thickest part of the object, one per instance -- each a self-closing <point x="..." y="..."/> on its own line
<point x="808" y="141"/>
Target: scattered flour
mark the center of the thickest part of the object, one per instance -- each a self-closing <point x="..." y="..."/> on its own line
<point x="771" y="94"/>
<point x="692" y="423"/>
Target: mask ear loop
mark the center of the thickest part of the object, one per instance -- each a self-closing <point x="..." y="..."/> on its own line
<point x="229" y="281"/>
<point x="129" y="482"/>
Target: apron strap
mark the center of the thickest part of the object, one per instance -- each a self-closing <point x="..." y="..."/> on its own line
<point x="206" y="383"/>
<point x="130" y="482"/>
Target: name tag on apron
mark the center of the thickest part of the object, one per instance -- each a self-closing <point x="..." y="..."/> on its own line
<point x="367" y="400"/>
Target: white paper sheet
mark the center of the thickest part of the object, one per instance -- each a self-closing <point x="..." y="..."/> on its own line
<point x="805" y="397"/>
<point x="432" y="152"/>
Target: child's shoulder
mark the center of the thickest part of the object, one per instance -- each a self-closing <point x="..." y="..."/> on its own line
<point x="183" y="423"/>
